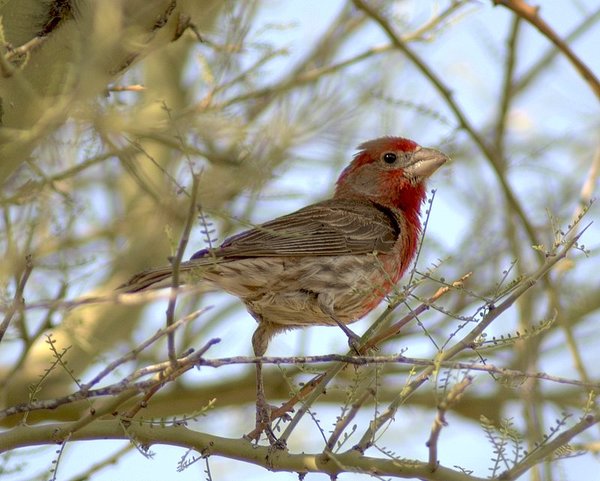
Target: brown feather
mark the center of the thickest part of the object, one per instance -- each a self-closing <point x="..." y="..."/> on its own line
<point x="331" y="227"/>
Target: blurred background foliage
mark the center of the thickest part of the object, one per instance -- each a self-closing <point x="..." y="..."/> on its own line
<point x="115" y="105"/>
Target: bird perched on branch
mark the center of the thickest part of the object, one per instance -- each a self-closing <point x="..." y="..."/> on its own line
<point x="329" y="263"/>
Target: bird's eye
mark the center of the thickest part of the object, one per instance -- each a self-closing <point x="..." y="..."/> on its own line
<point x="389" y="157"/>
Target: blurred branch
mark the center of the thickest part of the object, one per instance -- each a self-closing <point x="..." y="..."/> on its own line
<point x="440" y="419"/>
<point x="109" y="460"/>
<point x="15" y="52"/>
<point x="30" y="188"/>
<point x="531" y="15"/>
<point x="587" y="189"/>
<point x="585" y="200"/>
<point x="525" y="80"/>
<point x="507" y="90"/>
<point x="306" y="73"/>
<point x="18" y="301"/>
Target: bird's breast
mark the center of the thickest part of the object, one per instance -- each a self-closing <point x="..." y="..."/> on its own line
<point x="286" y="290"/>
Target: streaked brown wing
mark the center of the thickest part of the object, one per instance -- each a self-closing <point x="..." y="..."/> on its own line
<point x="331" y="227"/>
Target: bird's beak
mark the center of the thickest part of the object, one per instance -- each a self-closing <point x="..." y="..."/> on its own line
<point x="425" y="162"/>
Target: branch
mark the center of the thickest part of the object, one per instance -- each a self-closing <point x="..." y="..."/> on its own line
<point x="238" y="449"/>
<point x="22" y="50"/>
<point x="131" y="355"/>
<point x="301" y="75"/>
<point x="507" y="90"/>
<point x="395" y="359"/>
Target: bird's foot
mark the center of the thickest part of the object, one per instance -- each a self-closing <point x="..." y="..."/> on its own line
<point x="263" y="424"/>
<point x="353" y="338"/>
<point x="353" y="341"/>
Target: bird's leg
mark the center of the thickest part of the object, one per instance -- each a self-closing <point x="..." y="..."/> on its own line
<point x="260" y="341"/>
<point x="327" y="307"/>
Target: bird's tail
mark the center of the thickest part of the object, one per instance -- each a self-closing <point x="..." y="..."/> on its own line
<point x="157" y="278"/>
<point x="150" y="279"/>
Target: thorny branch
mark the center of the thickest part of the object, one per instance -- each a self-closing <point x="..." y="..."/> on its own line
<point x="549" y="448"/>
<point x="125" y="386"/>
<point x="467" y="342"/>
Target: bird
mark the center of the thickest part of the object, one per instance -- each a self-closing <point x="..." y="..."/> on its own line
<point x="329" y="263"/>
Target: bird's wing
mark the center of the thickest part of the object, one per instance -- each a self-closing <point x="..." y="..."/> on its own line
<point x="332" y="227"/>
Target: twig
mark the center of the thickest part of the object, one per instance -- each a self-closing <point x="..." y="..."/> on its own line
<point x="123" y="387"/>
<point x="7" y="68"/>
<point x="26" y="48"/>
<point x="288" y="406"/>
<point x="127" y="88"/>
<point x="172" y="371"/>
<point x="343" y="421"/>
<point x="321" y="381"/>
<point x="177" y="263"/>
<point x="110" y="407"/>
<point x="148" y="342"/>
<point x="423" y="233"/>
<point x="394" y="329"/>
<point x="391" y="359"/>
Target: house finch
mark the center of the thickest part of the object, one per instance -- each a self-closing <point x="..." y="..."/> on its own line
<point x="329" y="263"/>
